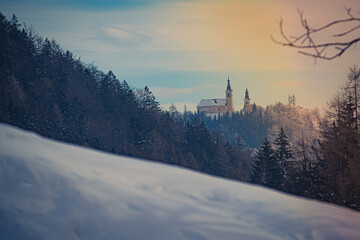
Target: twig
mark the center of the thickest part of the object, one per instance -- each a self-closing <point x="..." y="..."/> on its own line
<point x="314" y="49"/>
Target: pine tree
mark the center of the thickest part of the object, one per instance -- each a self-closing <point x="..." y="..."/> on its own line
<point x="283" y="150"/>
<point x="301" y="175"/>
<point x="274" y="177"/>
<point x="261" y="168"/>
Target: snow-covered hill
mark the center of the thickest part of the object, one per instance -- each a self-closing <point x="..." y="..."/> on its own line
<point x="52" y="190"/>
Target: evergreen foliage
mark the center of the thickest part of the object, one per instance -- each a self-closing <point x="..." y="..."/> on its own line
<point x="283" y="150"/>
<point x="252" y="126"/>
<point x="301" y="174"/>
<point x="269" y="164"/>
<point x="264" y="157"/>
<point x="330" y="170"/>
<point x="339" y="168"/>
<point x="45" y="89"/>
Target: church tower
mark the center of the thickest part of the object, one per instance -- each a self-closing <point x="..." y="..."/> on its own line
<point x="229" y="99"/>
<point x="247" y="106"/>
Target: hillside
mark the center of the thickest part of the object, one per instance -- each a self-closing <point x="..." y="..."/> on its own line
<point x="298" y="122"/>
<point x="45" y="89"/>
<point x="52" y="190"/>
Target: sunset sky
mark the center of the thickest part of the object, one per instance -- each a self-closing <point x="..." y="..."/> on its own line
<point x="185" y="50"/>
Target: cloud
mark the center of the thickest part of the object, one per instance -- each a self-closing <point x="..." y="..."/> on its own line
<point x="163" y="92"/>
<point x="283" y="84"/>
<point x="121" y="36"/>
<point x="118" y="33"/>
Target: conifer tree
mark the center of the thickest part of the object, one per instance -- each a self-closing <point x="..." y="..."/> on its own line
<point x="301" y="174"/>
<point x="283" y="150"/>
<point x="263" y="160"/>
<point x="274" y="177"/>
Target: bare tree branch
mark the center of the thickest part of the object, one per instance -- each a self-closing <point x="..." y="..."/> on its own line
<point x="347" y="32"/>
<point x="336" y="45"/>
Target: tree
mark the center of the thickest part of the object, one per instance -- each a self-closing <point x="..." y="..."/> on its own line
<point x="44" y="89"/>
<point x="174" y="113"/>
<point x="147" y="100"/>
<point x="283" y="152"/>
<point x="353" y="84"/>
<point x="302" y="173"/>
<point x="340" y="150"/>
<point x="308" y="41"/>
<point x="266" y="168"/>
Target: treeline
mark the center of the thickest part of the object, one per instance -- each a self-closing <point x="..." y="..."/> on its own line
<point x="298" y="123"/>
<point x="329" y="169"/>
<point x="278" y="165"/>
<point x="339" y="151"/>
<point x="250" y="127"/>
<point x="47" y="90"/>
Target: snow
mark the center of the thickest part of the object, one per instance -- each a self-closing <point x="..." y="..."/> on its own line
<point x="299" y="123"/>
<point x="212" y="102"/>
<point x="52" y="190"/>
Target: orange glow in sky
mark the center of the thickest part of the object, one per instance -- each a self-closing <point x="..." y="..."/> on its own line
<point x="189" y="48"/>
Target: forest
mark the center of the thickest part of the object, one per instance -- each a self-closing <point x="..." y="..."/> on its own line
<point x="327" y="167"/>
<point x="251" y="127"/>
<point x="48" y="90"/>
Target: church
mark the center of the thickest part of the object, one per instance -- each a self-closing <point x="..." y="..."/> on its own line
<point x="222" y="106"/>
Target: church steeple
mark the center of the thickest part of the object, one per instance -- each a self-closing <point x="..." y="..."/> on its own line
<point x="228" y="85"/>
<point x="247" y="94"/>
<point x="247" y="105"/>
<point x="229" y="99"/>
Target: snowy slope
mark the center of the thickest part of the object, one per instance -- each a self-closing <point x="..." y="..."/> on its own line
<point x="51" y="190"/>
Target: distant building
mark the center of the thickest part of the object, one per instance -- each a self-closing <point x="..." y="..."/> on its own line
<point x="216" y="107"/>
<point x="292" y="101"/>
<point x="247" y="105"/>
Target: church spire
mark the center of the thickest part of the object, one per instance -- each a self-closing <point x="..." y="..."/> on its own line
<point x="247" y="94"/>
<point x="229" y="99"/>
<point x="228" y="85"/>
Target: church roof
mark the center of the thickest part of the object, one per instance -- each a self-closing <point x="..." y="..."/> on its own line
<point x="212" y="102"/>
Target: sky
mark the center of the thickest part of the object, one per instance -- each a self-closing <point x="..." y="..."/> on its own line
<point x="186" y="50"/>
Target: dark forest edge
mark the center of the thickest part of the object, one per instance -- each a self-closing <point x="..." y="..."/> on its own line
<point x="47" y="90"/>
<point x="328" y="169"/>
